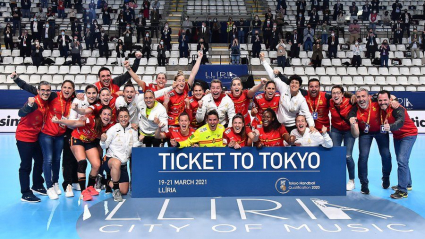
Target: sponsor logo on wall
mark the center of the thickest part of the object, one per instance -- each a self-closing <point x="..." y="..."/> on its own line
<point x="9" y="120"/>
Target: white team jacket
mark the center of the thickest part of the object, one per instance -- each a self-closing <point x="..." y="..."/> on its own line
<point x="314" y="139"/>
<point x="132" y="107"/>
<point x="120" y="141"/>
<point x="83" y="104"/>
<point x="289" y="107"/>
<point x="226" y="109"/>
<point x="147" y="124"/>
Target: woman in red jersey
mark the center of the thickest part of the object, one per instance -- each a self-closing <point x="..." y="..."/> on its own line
<point x="271" y="132"/>
<point x="176" y="134"/>
<point x="105" y="99"/>
<point x="161" y="80"/>
<point x="242" y="98"/>
<point x="269" y="99"/>
<point x="174" y="100"/>
<point x="52" y="135"/>
<point x="239" y="135"/>
<point x="84" y="146"/>
<point x="193" y="103"/>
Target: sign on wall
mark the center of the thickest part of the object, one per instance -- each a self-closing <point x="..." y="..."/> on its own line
<point x="9" y="120"/>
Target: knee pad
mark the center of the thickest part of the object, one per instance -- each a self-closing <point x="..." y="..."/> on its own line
<point x="82" y="166"/>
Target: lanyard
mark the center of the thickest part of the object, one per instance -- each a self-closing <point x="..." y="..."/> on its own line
<point x="386" y="117"/>
<point x="317" y="106"/>
<point x="38" y="102"/>
<point x="63" y="110"/>
<point x="370" y="109"/>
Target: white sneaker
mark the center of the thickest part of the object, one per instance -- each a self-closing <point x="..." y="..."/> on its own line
<point x="57" y="189"/>
<point x="76" y="186"/>
<point x="69" y="193"/>
<point x="350" y="185"/>
<point x="52" y="193"/>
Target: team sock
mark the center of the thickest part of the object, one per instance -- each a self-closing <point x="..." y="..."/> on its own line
<point x="82" y="182"/>
<point x="92" y="181"/>
<point x="116" y="185"/>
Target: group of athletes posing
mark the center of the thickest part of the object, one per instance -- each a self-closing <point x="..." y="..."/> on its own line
<point x="81" y="125"/>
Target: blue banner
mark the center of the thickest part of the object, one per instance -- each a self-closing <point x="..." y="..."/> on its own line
<point x="215" y="172"/>
<point x="225" y="73"/>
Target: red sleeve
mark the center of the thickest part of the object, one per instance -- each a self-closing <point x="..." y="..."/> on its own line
<point x="282" y="130"/>
<point x="246" y="94"/>
<point x="168" y="134"/>
<point x="114" y="96"/>
<point x="160" y="99"/>
<point x="248" y="129"/>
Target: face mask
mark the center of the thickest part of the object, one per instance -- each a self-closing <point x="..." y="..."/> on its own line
<point x="75" y="39"/>
<point x="268" y="21"/>
<point x="162" y="42"/>
<point x="183" y="33"/>
<point x="47" y="25"/>
<point x="187" y="18"/>
<point x="234" y="27"/>
<point x="63" y="33"/>
<point x="35" y="20"/>
<point x="166" y="25"/>
<point x="37" y="43"/>
<point x="140" y="15"/>
<point x="332" y="34"/>
<point x="128" y="27"/>
<point x="215" y="20"/>
<point x="147" y="35"/>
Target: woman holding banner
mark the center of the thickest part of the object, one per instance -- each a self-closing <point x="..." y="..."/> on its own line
<point x="239" y="135"/>
<point x="305" y="137"/>
<point x="271" y="132"/>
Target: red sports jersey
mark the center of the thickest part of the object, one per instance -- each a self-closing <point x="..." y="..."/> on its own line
<point x="175" y="133"/>
<point x="30" y="125"/>
<point x="242" y="105"/>
<point x="230" y="135"/>
<point x="112" y="87"/>
<point x="176" y="105"/>
<point x="193" y="107"/>
<point x="60" y="108"/>
<point x="152" y="87"/>
<point x="408" y="128"/>
<point x="344" y="108"/>
<point x="363" y="116"/>
<point x="87" y="133"/>
<point x="262" y="104"/>
<point x="319" y="105"/>
<point x="273" y="138"/>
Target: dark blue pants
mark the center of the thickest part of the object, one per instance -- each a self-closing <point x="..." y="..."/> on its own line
<point x="403" y="148"/>
<point x="51" y="147"/>
<point x="28" y="152"/>
<point x="337" y="137"/>
<point x="365" y="141"/>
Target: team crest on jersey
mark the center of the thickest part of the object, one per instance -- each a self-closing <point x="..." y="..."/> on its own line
<point x="227" y="131"/>
<point x="172" y="94"/>
<point x="203" y="129"/>
<point x="191" y="100"/>
<point x="259" y="97"/>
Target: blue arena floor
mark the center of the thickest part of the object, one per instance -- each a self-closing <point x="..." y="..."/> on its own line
<point x="192" y="218"/>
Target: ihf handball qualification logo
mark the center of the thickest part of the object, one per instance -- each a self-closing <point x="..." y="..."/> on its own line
<point x="282" y="185"/>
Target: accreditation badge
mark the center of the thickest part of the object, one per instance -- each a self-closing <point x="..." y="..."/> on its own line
<point x="62" y="125"/>
<point x="315" y="115"/>
<point x="366" y="128"/>
<point x="383" y="131"/>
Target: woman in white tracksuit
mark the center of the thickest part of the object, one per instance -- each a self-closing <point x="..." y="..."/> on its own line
<point x="118" y="142"/>
<point x="305" y="137"/>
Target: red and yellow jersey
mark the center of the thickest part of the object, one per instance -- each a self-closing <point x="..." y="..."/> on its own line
<point x="193" y="108"/>
<point x="175" y="133"/>
<point x="176" y="105"/>
<point x="273" y="138"/>
<point x="408" y="128"/>
<point x="205" y="137"/>
<point x="344" y="108"/>
<point x="98" y="106"/>
<point x="30" y="125"/>
<point x="369" y="116"/>
<point x="152" y="87"/>
<point x="59" y="107"/>
<point x="319" y="105"/>
<point x="230" y="135"/>
<point x="242" y="105"/>
<point x="87" y="133"/>
<point x="262" y="104"/>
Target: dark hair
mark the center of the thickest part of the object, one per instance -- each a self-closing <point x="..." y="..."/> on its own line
<point x="184" y="114"/>
<point x="216" y="81"/>
<point x="313" y="80"/>
<point x="383" y="92"/>
<point x="103" y="69"/>
<point x="149" y="91"/>
<point x="270" y="82"/>
<point x="43" y="83"/>
<point x="243" y="131"/>
<point x="275" y="123"/>
<point x="338" y="87"/>
<point x="91" y="87"/>
<point x="123" y="109"/>
<point x="234" y="79"/>
<point x="104" y="88"/>
<point x="98" y="121"/>
<point x="129" y="84"/>
<point x="298" y="115"/>
<point x="68" y="81"/>
<point x="297" y="78"/>
<point x="197" y="84"/>
<point x="212" y="112"/>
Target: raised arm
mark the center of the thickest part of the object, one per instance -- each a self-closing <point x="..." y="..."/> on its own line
<point x="256" y="88"/>
<point x="106" y="139"/>
<point x="195" y="69"/>
<point x="69" y="123"/>
<point x="29" y="107"/>
<point x="135" y="76"/>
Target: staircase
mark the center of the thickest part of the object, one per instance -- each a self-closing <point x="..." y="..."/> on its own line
<point x="174" y="18"/>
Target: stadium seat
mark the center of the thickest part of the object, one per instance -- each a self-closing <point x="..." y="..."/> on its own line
<point x="118" y="70"/>
<point x="59" y="61"/>
<point x="299" y="71"/>
<point x="326" y="62"/>
<point x="330" y="71"/>
<point x="63" y="70"/>
<point x="383" y="71"/>
<point x="398" y="88"/>
<point x="325" y="80"/>
<point x="80" y="79"/>
<point x="358" y="80"/>
<point x="160" y="69"/>
<point x="288" y="71"/>
<point x="372" y="71"/>
<point x="182" y="61"/>
<point x="309" y="71"/>
<point x="369" y="80"/>
<point x="402" y="80"/>
<point x="404" y="71"/>
<point x="347" y="80"/>
<point x="342" y="71"/>
<point x="391" y="80"/>
<point x="380" y="80"/>
<point x="75" y="70"/>
<point x="393" y="71"/>
<point x="413" y="80"/>
<point x="295" y="61"/>
<point x="52" y="70"/>
<point x="34" y="79"/>
<point x="9" y="69"/>
<point x="351" y="71"/>
<point x="91" y="61"/>
<point x="362" y="70"/>
<point x="57" y="79"/>
<point x="336" y="80"/>
<point x="411" y="88"/>
<point x="85" y="70"/>
<point x="375" y="88"/>
<point x="147" y="79"/>
<point x="150" y="70"/>
<point x="175" y="61"/>
<point x="415" y="71"/>
<point x="68" y="77"/>
<point x="91" y="79"/>
<point x="19" y="60"/>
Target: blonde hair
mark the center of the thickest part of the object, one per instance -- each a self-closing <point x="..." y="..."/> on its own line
<point x="179" y="73"/>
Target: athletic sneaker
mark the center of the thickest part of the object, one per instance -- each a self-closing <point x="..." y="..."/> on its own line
<point x="98" y="184"/>
<point x="117" y="195"/>
<point x="57" y="189"/>
<point x="41" y="191"/>
<point x="395" y="188"/>
<point x="76" y="186"/>
<point x="350" y="185"/>
<point x="69" y="193"/>
<point x="398" y="195"/>
<point x="52" y="193"/>
<point x="86" y="196"/>
<point x="92" y="191"/>
<point x="385" y="182"/>
<point x="365" y="189"/>
<point x="30" y="198"/>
